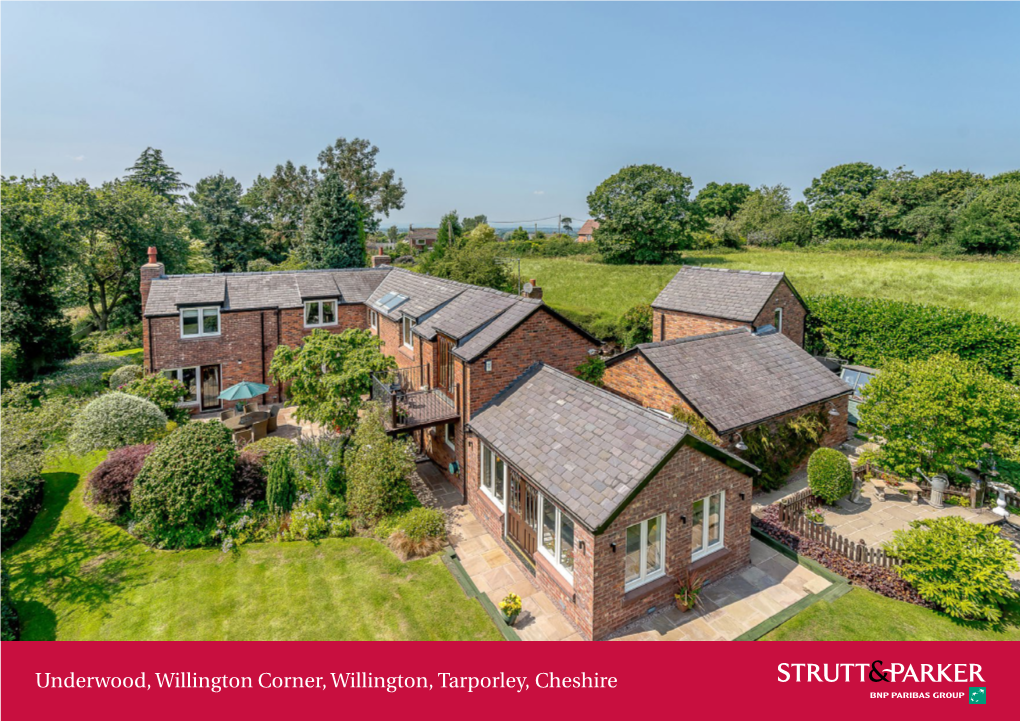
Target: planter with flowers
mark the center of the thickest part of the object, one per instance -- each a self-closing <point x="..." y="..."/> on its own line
<point x="687" y="597"/>
<point x="511" y="608"/>
<point x="814" y="515"/>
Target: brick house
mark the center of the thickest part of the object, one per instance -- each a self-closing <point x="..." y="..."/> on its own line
<point x="584" y="235"/>
<point x="421" y="238"/>
<point x="704" y="300"/>
<point x="604" y="501"/>
<point x="456" y="345"/>
<point x="734" y="379"/>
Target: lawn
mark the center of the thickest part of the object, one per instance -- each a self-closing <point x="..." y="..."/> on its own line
<point x="75" y="577"/>
<point x="986" y="286"/>
<point x="865" y="616"/>
<point x="127" y="353"/>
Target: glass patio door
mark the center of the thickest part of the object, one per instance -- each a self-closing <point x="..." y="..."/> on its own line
<point x="210" y="387"/>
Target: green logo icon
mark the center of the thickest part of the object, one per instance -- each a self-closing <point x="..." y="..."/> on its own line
<point x="977" y="694"/>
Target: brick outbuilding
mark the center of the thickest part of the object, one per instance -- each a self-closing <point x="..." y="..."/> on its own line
<point x="705" y="300"/>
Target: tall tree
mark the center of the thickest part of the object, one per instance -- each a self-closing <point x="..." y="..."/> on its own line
<point x="836" y="199"/>
<point x="469" y="224"/>
<point x="114" y="225"/>
<point x="374" y="191"/>
<point x="277" y="205"/>
<point x="334" y="236"/>
<point x="567" y="224"/>
<point x="151" y="171"/>
<point x="645" y="214"/>
<point x="722" y="200"/>
<point x="35" y="249"/>
<point x="449" y="232"/>
<point x="220" y="220"/>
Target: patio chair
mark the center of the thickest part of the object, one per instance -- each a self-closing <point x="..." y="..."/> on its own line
<point x="274" y="415"/>
<point x="242" y="438"/>
<point x="251" y="407"/>
<point x="259" y="429"/>
<point x="226" y="415"/>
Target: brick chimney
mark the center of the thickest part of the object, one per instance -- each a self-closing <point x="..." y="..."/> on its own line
<point x="531" y="290"/>
<point x="380" y="259"/>
<point x="152" y="269"/>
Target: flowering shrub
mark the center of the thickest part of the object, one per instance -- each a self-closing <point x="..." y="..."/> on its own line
<point x="829" y="475"/>
<point x="82" y="376"/>
<point x="310" y="521"/>
<point x="319" y="462"/>
<point x="237" y="528"/>
<point x="165" y="392"/>
<point x="185" y="484"/>
<point x="110" y="482"/>
<point x="377" y="474"/>
<point x="124" y="375"/>
<point x="116" y="420"/>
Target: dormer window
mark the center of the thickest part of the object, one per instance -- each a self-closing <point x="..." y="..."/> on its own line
<point x="199" y="322"/>
<point x="320" y="313"/>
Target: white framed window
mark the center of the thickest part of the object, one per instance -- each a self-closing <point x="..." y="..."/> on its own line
<point x="198" y="322"/>
<point x="777" y="319"/>
<point x="373" y="320"/>
<point x="408" y="324"/>
<point x="707" y="525"/>
<point x="450" y="436"/>
<point x="645" y="559"/>
<point x="493" y="481"/>
<point x="189" y="377"/>
<point x="320" y="313"/>
<point x="556" y="537"/>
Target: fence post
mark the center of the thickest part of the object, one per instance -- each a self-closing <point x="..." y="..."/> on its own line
<point x="393" y="409"/>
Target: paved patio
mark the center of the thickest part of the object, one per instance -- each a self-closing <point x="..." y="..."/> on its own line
<point x="731" y="607"/>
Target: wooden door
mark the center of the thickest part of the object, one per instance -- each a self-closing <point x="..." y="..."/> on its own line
<point x="444" y="373"/>
<point x="522" y="513"/>
<point x="210" y="387"/>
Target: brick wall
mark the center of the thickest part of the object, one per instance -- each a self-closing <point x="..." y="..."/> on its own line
<point x="794" y="313"/>
<point x="393" y="344"/>
<point x="670" y="324"/>
<point x="635" y="379"/>
<point x="690" y="475"/>
<point x="838" y="425"/>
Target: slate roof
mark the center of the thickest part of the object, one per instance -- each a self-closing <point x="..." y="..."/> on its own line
<point x="718" y="292"/>
<point x="736" y="378"/>
<point x="252" y="291"/>
<point x="422" y="234"/>
<point x="586" y="448"/>
<point x="465" y="313"/>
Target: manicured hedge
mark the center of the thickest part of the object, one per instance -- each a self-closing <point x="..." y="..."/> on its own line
<point x="830" y="476"/>
<point x="869" y="330"/>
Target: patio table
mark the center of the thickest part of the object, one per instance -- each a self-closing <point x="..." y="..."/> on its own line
<point x="246" y="420"/>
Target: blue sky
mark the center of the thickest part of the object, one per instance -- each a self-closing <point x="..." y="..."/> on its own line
<point x="513" y="110"/>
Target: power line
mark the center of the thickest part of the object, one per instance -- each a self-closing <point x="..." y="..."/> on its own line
<point x="531" y="220"/>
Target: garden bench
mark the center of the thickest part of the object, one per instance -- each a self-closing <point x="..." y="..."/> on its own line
<point x="881" y="487"/>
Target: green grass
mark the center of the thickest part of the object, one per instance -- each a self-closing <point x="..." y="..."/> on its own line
<point x="75" y="577"/>
<point x="986" y="286"/>
<point x="127" y="353"/>
<point x="865" y="616"/>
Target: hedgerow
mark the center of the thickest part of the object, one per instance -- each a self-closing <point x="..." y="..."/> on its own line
<point x="869" y="331"/>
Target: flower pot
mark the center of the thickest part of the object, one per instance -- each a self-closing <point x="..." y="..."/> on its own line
<point x="511" y="618"/>
<point x="682" y="607"/>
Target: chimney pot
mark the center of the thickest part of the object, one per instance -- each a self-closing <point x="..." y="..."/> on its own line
<point x="152" y="254"/>
<point x="534" y="282"/>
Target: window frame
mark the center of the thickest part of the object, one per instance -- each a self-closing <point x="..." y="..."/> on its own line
<point x="707" y="550"/>
<point x="451" y="438"/>
<point x="643" y="576"/>
<point x="373" y="319"/>
<point x="321" y="324"/>
<point x="407" y="324"/>
<point x="554" y="559"/>
<point x="777" y="319"/>
<point x="179" y="375"/>
<point x="200" y="309"/>
<point x="492" y="474"/>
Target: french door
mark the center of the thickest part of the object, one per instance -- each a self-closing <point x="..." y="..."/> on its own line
<point x="522" y="513"/>
<point x="210" y="387"/>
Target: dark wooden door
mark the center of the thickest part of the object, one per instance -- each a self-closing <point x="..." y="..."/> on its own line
<point x="522" y="513"/>
<point x="444" y="373"/>
<point x="210" y="387"/>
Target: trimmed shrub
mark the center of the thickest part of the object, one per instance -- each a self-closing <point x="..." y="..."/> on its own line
<point x="124" y="375"/>
<point x="959" y="566"/>
<point x="185" y="484"/>
<point x="10" y="626"/>
<point x="830" y="476"/>
<point x="281" y="491"/>
<point x="165" y="392"/>
<point x="378" y="470"/>
<point x="871" y="330"/>
<point x="116" y="420"/>
<point x="110" y="482"/>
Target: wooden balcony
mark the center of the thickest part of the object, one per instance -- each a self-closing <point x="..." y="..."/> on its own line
<point x="413" y="401"/>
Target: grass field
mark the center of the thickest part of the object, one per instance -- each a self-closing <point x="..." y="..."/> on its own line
<point x="986" y="286"/>
<point x="865" y="616"/>
<point x="75" y="577"/>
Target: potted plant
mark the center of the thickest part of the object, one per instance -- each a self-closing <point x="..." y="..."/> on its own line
<point x="511" y="608"/>
<point x="814" y="515"/>
<point x="690" y="589"/>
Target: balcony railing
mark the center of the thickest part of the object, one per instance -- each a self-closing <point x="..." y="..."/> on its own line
<point x="412" y="401"/>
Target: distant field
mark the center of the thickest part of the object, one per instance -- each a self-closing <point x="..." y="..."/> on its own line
<point x="991" y="287"/>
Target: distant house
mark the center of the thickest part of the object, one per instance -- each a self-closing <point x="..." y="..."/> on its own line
<point x="421" y="238"/>
<point x="704" y="300"/>
<point x="734" y="379"/>
<point x="584" y="235"/>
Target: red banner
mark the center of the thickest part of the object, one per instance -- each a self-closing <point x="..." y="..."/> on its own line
<point x="436" y="680"/>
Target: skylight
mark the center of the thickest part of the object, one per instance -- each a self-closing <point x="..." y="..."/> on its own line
<point x="390" y="301"/>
